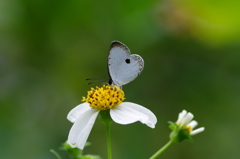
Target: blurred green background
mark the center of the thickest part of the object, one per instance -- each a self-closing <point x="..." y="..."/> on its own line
<point x="192" y="61"/>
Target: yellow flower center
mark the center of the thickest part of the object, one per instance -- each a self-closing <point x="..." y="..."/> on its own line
<point x="188" y="129"/>
<point x="106" y="97"/>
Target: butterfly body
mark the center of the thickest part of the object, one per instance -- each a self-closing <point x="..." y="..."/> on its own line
<point x="123" y="67"/>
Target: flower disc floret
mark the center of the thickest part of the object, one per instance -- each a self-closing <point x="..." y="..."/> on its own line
<point x="188" y="129"/>
<point x="106" y="97"/>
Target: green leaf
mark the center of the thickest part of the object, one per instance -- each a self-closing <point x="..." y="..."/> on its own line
<point x="183" y="135"/>
<point x="72" y="152"/>
<point x="172" y="125"/>
<point x="90" y="157"/>
<point x="76" y="153"/>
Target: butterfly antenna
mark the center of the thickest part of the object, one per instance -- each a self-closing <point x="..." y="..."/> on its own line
<point x="96" y="80"/>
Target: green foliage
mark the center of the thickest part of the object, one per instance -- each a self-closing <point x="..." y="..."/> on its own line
<point x="184" y="135"/>
<point x="177" y="134"/>
<point x="75" y="153"/>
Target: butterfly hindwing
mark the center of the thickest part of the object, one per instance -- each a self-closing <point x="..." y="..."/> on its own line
<point x="122" y="66"/>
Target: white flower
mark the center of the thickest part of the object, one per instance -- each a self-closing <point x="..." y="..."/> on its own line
<point x="185" y="122"/>
<point x="84" y="115"/>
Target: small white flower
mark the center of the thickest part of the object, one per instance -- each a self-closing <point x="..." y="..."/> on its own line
<point x="185" y="122"/>
<point x="84" y="115"/>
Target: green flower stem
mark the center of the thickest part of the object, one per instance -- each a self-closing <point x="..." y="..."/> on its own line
<point x="108" y="140"/>
<point x="55" y="153"/>
<point x="107" y="120"/>
<point x="161" y="150"/>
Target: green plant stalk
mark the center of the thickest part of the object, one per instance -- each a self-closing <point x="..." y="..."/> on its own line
<point x="55" y="153"/>
<point x="109" y="147"/>
<point x="161" y="150"/>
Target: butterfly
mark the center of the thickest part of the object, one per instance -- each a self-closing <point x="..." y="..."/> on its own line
<point x="123" y="67"/>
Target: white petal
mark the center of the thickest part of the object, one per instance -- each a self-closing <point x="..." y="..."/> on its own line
<point x="186" y="120"/>
<point x="181" y="116"/>
<point x="81" y="128"/>
<point x="194" y="132"/>
<point x="78" y="111"/>
<point x="193" y="124"/>
<point x="127" y="113"/>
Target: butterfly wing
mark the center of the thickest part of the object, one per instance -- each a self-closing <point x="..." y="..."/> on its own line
<point x="122" y="66"/>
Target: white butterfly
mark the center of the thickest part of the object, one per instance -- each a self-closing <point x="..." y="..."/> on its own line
<point x="123" y="67"/>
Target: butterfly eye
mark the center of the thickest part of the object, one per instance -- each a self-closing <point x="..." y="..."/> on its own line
<point x="127" y="61"/>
